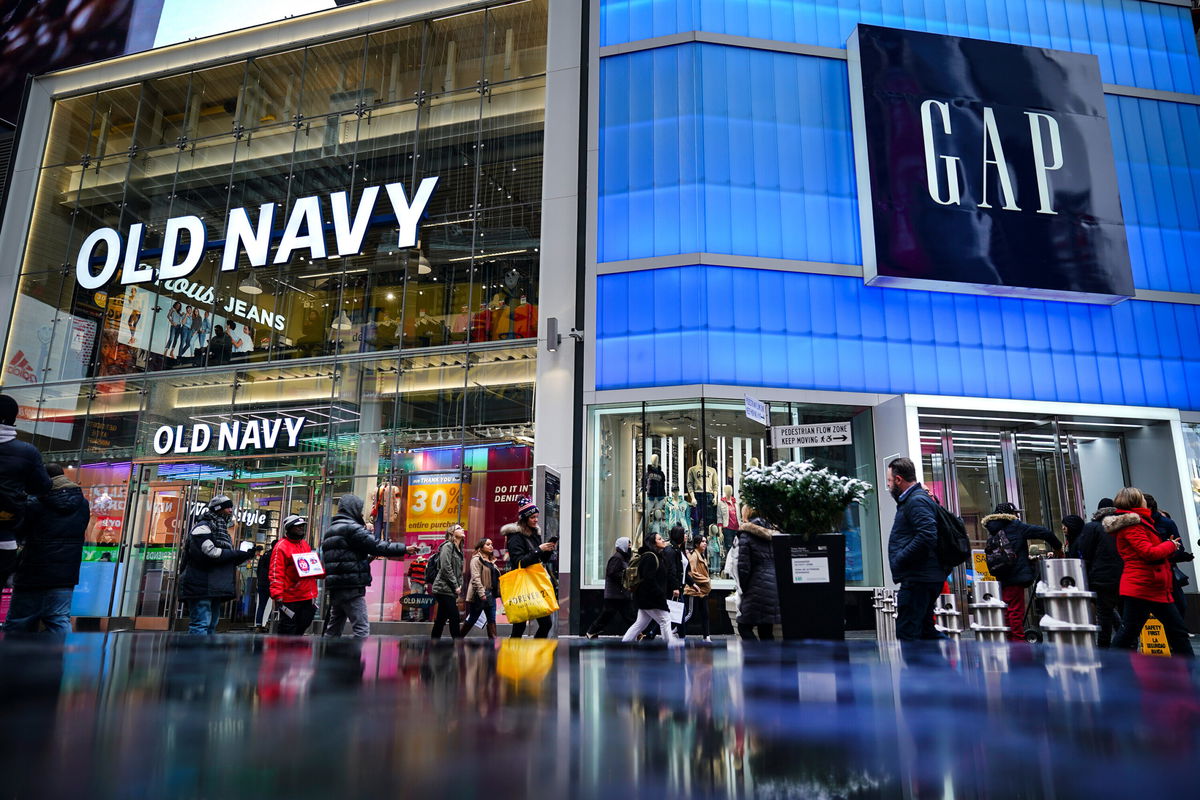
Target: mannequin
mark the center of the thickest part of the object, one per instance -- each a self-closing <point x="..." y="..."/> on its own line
<point x="525" y="319"/>
<point x="655" y="482"/>
<point x="502" y="319"/>
<point x="702" y="492"/>
<point x="716" y="553"/>
<point x="460" y="324"/>
<point x="383" y="506"/>
<point x="481" y="323"/>
<point x="730" y="517"/>
<point x="677" y="512"/>
<point x="753" y="462"/>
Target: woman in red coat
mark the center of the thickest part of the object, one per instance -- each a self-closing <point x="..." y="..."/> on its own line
<point x="295" y="593"/>
<point x="1146" y="580"/>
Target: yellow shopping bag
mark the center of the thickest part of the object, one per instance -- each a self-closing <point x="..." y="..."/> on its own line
<point x="527" y="594"/>
<point x="525" y="662"/>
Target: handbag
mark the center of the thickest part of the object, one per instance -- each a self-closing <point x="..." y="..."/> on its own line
<point x="527" y="593"/>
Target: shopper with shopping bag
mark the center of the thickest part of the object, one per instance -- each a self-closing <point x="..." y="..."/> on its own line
<point x="526" y="551"/>
<point x="650" y="580"/>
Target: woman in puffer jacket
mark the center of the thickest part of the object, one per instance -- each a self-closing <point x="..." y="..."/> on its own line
<point x="759" y="608"/>
<point x="1146" y="579"/>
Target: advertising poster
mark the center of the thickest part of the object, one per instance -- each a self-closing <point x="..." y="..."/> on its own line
<point x="434" y="503"/>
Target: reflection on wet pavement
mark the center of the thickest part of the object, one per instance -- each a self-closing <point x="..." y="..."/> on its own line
<point x="155" y="715"/>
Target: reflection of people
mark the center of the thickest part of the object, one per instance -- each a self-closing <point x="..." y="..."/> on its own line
<point x="209" y="567"/>
<point x="523" y="540"/>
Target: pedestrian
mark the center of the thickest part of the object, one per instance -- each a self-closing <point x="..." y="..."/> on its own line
<point x="651" y="592"/>
<point x="209" y="568"/>
<point x="346" y="552"/>
<point x="1072" y="526"/>
<point x="483" y="587"/>
<point x="1146" y="579"/>
<point x="616" y="596"/>
<point x="22" y="474"/>
<point x="1168" y="530"/>
<point x="262" y="582"/>
<point x="1010" y="563"/>
<point x="912" y="553"/>
<point x="523" y="540"/>
<point x="448" y="583"/>
<point x="49" y="567"/>
<point x="697" y="586"/>
<point x="759" y="608"/>
<point x="1104" y="566"/>
<point x="295" y="594"/>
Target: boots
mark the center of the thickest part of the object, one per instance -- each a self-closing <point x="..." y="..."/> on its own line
<point x="491" y="630"/>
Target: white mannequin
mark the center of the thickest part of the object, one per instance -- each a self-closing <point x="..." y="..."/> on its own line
<point x="753" y="461"/>
<point x="729" y="501"/>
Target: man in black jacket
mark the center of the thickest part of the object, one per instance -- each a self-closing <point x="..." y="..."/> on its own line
<point x="1016" y="578"/>
<point x="912" y="553"/>
<point x="616" y="598"/>
<point x="21" y="474"/>
<point x="1104" y="566"/>
<point x="1167" y="530"/>
<point x="346" y="551"/>
<point x="210" y="561"/>
<point x="49" y="567"/>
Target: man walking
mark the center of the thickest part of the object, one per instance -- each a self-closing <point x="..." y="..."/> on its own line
<point x="21" y="474"/>
<point x="49" y="569"/>
<point x="346" y="550"/>
<point x="1104" y="566"/>
<point x="209" y="571"/>
<point x="912" y="553"/>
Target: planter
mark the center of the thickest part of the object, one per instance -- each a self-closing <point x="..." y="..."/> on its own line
<point x="811" y="577"/>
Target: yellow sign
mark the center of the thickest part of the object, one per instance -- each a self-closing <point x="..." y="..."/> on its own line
<point x="434" y="502"/>
<point x="1154" y="639"/>
<point x="979" y="560"/>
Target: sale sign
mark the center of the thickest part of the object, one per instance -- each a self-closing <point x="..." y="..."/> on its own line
<point x="434" y="502"/>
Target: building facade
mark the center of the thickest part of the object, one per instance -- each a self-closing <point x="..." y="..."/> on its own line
<point x="450" y="245"/>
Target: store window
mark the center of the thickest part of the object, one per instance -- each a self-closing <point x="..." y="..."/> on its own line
<point x="654" y="466"/>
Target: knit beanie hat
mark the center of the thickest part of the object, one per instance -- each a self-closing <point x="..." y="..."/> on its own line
<point x="526" y="508"/>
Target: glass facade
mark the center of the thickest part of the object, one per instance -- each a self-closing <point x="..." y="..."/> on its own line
<point x="335" y="360"/>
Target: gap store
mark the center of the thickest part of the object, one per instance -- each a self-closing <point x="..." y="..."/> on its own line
<point x="449" y="246"/>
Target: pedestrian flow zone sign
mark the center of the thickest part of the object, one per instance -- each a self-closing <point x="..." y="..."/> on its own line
<point x="825" y="434"/>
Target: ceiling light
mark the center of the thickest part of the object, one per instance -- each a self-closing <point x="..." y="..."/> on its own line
<point x="250" y="285"/>
<point x="342" y="322"/>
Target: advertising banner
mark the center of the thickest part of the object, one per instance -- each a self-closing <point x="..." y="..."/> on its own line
<point x="434" y="502"/>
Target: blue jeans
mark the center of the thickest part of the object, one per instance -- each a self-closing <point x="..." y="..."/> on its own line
<point x="914" y="611"/>
<point x="204" y="615"/>
<point x="50" y="607"/>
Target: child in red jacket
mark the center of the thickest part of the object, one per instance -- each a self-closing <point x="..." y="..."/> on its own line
<point x="296" y="593"/>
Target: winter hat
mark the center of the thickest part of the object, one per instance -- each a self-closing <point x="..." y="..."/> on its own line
<point x="526" y="508"/>
<point x="1106" y="502"/>
<point x="293" y="521"/>
<point x="219" y="502"/>
<point x="623" y="544"/>
<point x="8" y="410"/>
<point x="1006" y="508"/>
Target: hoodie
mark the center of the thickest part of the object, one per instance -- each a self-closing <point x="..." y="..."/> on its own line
<point x="53" y="529"/>
<point x="22" y="473"/>
<point x="1099" y="552"/>
<point x="348" y="547"/>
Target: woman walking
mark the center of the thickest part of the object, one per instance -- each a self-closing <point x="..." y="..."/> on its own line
<point x="759" y="607"/>
<point x="697" y="586"/>
<point x="650" y="594"/>
<point x="482" y="588"/>
<point x="523" y="540"/>
<point x="448" y="582"/>
<point x="1146" y="579"/>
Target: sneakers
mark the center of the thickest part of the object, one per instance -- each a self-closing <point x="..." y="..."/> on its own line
<point x="593" y="635"/>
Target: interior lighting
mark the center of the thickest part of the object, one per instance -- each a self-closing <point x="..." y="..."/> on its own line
<point x="250" y="285"/>
<point x="342" y="322"/>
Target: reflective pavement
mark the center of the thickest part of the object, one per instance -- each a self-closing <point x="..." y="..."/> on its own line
<point x="160" y="715"/>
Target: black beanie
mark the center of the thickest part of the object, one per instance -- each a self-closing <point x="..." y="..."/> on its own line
<point x="8" y="410"/>
<point x="1107" y="502"/>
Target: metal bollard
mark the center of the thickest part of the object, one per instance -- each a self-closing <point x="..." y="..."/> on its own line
<point x="1068" y="604"/>
<point x="948" y="617"/>
<point x="987" y="612"/>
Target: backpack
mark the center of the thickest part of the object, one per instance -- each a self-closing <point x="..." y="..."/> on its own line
<point x="431" y="570"/>
<point x="1000" y="554"/>
<point x="953" y="544"/>
<point x="631" y="579"/>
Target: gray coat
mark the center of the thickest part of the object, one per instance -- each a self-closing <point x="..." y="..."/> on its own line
<point x="449" y="577"/>
<point x="756" y="575"/>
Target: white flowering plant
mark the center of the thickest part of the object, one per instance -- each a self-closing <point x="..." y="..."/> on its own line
<point x="798" y="497"/>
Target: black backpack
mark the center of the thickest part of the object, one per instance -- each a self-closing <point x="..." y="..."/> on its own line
<point x="1000" y="554"/>
<point x="431" y="570"/>
<point x="953" y="544"/>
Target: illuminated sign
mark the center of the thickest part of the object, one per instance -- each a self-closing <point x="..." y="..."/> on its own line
<point x="185" y="238"/>
<point x="254" y="434"/>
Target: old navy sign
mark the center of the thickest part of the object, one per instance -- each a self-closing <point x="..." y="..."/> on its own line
<point x="185" y="238"/>
<point x="985" y="168"/>
<point x="253" y="434"/>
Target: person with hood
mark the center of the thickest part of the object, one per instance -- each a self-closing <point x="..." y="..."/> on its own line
<point x="1168" y="530"/>
<point x="448" y="583"/>
<point x="759" y="608"/>
<point x="208" y="571"/>
<point x="616" y="598"/>
<point x="49" y="568"/>
<point x="523" y="540"/>
<point x="296" y="594"/>
<point x="1146" y="579"/>
<point x="262" y="574"/>
<point x="346" y="552"/>
<point x="1104" y="565"/>
<point x="1015" y="576"/>
<point x="696" y="589"/>
<point x="483" y="587"/>
<point x="651" y="593"/>
<point x="22" y="474"/>
<point x="912" y="553"/>
<point x="1072" y="526"/>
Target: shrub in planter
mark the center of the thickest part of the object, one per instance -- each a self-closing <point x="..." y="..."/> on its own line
<point x="799" y="498"/>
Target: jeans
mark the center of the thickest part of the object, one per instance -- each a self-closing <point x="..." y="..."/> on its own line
<point x="694" y="607"/>
<point x="347" y="604"/>
<point x="204" y="615"/>
<point x="747" y="632"/>
<point x="1014" y="598"/>
<point x="543" y="628"/>
<point x="1107" y="603"/>
<point x="50" y="607"/>
<point x="447" y="611"/>
<point x="914" y="611"/>
<point x="263" y="599"/>
<point x="644" y="618"/>
<point x="477" y="607"/>
<point x="612" y="608"/>
<point x="302" y="615"/>
<point x="1137" y="611"/>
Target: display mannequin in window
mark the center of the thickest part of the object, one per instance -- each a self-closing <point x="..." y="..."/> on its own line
<point x="716" y="553"/>
<point x="383" y="503"/>
<point x="728" y="516"/>
<point x="753" y="462"/>
<point x="702" y="492"/>
<point x="654" y="486"/>
<point x="678" y="511"/>
<point x="481" y="323"/>
<point x="502" y="320"/>
<point x="525" y="319"/>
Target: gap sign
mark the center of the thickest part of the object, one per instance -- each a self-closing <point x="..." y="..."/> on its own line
<point x="825" y="434"/>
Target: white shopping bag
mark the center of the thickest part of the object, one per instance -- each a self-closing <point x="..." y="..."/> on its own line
<point x="308" y="565"/>
<point x="675" y="609"/>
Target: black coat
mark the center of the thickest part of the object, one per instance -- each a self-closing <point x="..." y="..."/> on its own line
<point x="653" y="588"/>
<point x="756" y="575"/>
<point x="912" y="545"/>
<point x="210" y="576"/>
<point x="523" y="545"/>
<point x="673" y="561"/>
<point x="1019" y="533"/>
<point x="614" y="576"/>
<point x="1098" y="549"/>
<point x="54" y="528"/>
<point x="348" y="547"/>
<point x="21" y="473"/>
